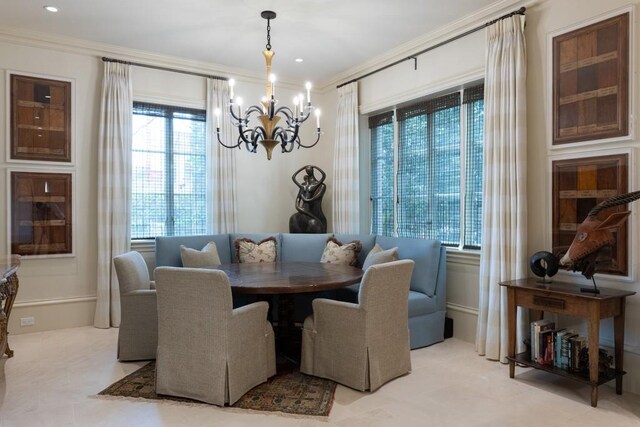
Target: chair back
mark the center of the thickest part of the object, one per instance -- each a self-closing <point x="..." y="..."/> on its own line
<point x="132" y="272"/>
<point x="194" y="311"/>
<point x="194" y="302"/>
<point x="384" y="295"/>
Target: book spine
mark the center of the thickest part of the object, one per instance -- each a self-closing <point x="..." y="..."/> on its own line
<point x="565" y="350"/>
<point x="536" y="342"/>
<point x="532" y="339"/>
<point x="557" y="346"/>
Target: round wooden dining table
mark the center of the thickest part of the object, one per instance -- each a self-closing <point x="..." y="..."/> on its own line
<point x="289" y="277"/>
<point x="284" y="280"/>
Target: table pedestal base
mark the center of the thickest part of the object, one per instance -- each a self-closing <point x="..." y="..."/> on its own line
<point x="288" y="337"/>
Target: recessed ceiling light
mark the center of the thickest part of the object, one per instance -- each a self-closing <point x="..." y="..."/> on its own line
<point x="299" y="59"/>
<point x="50" y="8"/>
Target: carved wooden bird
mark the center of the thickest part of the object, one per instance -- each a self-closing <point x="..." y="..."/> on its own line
<point x="593" y="235"/>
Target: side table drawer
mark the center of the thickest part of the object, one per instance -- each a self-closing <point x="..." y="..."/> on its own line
<point x="543" y="301"/>
<point x="572" y="305"/>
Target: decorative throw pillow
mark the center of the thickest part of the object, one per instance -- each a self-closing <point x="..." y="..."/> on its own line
<point x="337" y="253"/>
<point x="194" y="258"/>
<point x="377" y="255"/>
<point x="249" y="251"/>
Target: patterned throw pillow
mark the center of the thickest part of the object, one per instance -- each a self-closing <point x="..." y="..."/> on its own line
<point x="377" y="255"/>
<point x="337" y="253"/>
<point x="194" y="258"/>
<point x="249" y="251"/>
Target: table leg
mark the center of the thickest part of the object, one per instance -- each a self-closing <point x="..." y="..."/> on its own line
<point x="511" y="325"/>
<point x="594" y="355"/>
<point x="10" y="292"/>
<point x="618" y="345"/>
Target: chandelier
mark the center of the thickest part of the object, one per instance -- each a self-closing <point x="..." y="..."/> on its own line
<point x="268" y="133"/>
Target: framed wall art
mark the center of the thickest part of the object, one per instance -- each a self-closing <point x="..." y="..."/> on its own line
<point x="41" y="117"/>
<point x="40" y="212"/>
<point x="578" y="186"/>
<point x="591" y="82"/>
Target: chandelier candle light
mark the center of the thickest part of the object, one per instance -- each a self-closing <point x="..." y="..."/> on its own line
<point x="268" y="133"/>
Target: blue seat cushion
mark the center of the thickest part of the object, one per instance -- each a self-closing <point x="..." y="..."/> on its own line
<point x="425" y="253"/>
<point x="420" y="304"/>
<point x="303" y="246"/>
<point x="168" y="248"/>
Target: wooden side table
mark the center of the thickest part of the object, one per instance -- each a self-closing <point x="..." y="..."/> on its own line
<point x="565" y="298"/>
<point x="8" y="290"/>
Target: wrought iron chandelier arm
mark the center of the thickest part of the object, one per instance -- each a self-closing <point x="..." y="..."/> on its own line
<point x="253" y="109"/>
<point x="250" y="137"/>
<point x="251" y="143"/>
<point x="225" y="145"/>
<point x="285" y="111"/>
<point x="233" y="114"/>
<point x="287" y="135"/>
<point x="318" y="133"/>
<point x="237" y="144"/>
<point x="287" y="138"/>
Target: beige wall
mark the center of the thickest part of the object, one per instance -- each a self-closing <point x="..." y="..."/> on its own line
<point x="58" y="292"/>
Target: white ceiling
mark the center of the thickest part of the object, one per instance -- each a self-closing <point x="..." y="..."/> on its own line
<point x="332" y="36"/>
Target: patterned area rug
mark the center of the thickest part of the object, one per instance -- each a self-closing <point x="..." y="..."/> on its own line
<point x="288" y="391"/>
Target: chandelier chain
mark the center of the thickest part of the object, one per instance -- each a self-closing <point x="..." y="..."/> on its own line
<point x="268" y="46"/>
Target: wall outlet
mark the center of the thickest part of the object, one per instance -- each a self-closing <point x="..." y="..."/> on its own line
<point x="27" y="321"/>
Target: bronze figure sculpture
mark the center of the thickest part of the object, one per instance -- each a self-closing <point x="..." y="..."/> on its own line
<point x="594" y="237"/>
<point x="309" y="217"/>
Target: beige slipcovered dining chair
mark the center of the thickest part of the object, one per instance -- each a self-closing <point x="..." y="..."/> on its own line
<point x="138" y="334"/>
<point x="362" y="345"/>
<point x="208" y="351"/>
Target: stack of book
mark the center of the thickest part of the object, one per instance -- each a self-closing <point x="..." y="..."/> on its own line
<point x="556" y="347"/>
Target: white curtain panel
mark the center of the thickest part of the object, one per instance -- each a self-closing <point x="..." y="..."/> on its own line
<point x="114" y="187"/>
<point x="221" y="162"/>
<point x="504" y="204"/>
<point x="346" y="187"/>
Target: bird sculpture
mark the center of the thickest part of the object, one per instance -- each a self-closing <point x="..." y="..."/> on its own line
<point x="594" y="237"/>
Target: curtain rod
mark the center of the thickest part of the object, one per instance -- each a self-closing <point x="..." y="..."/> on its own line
<point x="155" y="67"/>
<point x="454" y="38"/>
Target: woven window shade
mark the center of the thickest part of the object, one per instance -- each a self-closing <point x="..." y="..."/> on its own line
<point x="429" y="170"/>
<point x="169" y="171"/>
<point x="474" y="105"/>
<point x="381" y="120"/>
<point x="382" y="174"/>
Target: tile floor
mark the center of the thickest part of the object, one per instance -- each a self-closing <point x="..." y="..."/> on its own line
<point x="53" y="375"/>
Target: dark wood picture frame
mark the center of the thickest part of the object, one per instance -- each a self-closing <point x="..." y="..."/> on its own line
<point x="41" y="212"/>
<point x="591" y="82"/>
<point x="41" y="117"/>
<point x="579" y="185"/>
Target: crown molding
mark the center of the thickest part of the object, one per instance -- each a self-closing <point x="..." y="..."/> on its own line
<point x="429" y="39"/>
<point x="95" y="49"/>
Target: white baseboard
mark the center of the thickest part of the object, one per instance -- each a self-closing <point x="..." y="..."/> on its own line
<point x="52" y="314"/>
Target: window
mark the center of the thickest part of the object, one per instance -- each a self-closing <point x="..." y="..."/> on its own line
<point x="437" y="185"/>
<point x="382" y="174"/>
<point x="168" y="172"/>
